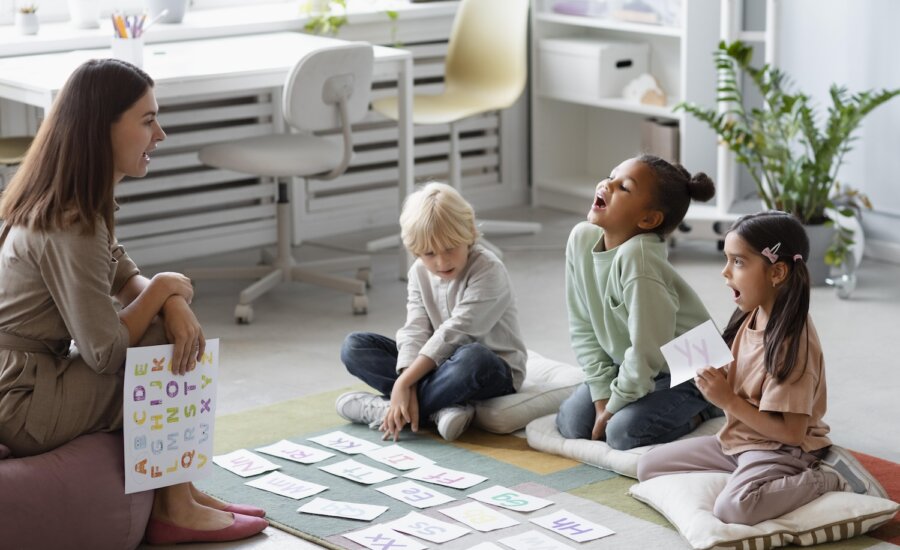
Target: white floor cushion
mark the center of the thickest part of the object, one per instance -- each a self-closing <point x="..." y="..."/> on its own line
<point x="686" y="500"/>
<point x="543" y="436"/>
<point x="547" y="384"/>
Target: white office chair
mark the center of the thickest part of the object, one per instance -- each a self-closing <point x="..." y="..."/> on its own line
<point x="326" y="89"/>
<point x="486" y="70"/>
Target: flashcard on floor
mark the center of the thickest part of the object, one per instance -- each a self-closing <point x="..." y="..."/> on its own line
<point x="345" y="443"/>
<point x="397" y="457"/>
<point x="702" y="346"/>
<point x="296" y="452"/>
<point x="428" y="528"/>
<point x="380" y="537"/>
<point x="478" y="516"/>
<point x="533" y="540"/>
<point x="339" y="509"/>
<point x="357" y="471"/>
<point x="286" y="486"/>
<point x="244" y="463"/>
<point x="414" y="494"/>
<point x="509" y="499"/>
<point x="446" y="477"/>
<point x="569" y="525"/>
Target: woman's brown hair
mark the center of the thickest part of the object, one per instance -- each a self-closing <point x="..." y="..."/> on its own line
<point x="67" y="175"/>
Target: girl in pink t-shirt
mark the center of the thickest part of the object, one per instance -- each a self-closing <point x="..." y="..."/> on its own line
<point x="774" y="442"/>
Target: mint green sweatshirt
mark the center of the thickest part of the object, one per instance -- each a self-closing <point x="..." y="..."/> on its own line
<point x="623" y="305"/>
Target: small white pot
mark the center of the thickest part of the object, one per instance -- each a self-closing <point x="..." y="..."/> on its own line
<point x="27" y="23"/>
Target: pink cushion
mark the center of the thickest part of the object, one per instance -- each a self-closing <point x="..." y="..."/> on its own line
<point x="71" y="497"/>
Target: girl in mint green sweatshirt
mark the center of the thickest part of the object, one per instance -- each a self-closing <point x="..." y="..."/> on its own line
<point x="625" y="300"/>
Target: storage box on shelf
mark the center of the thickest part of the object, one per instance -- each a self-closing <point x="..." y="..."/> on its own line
<point x="582" y="127"/>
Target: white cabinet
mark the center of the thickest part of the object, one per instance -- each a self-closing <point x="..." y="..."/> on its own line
<point x="578" y="138"/>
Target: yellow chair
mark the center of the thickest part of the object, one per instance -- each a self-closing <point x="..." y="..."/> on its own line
<point x="485" y="70"/>
<point x="12" y="151"/>
<point x="326" y="88"/>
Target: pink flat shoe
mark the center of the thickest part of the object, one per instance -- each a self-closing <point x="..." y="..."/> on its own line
<point x="160" y="532"/>
<point x="246" y="510"/>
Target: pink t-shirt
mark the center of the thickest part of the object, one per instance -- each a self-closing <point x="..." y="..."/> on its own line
<point x="803" y="392"/>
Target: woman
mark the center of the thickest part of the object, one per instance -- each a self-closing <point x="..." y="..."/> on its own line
<point x="61" y="267"/>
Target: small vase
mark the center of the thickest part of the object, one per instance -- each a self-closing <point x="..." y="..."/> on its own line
<point x="27" y="23"/>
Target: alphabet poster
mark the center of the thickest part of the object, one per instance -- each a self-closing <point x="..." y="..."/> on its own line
<point x="168" y="418"/>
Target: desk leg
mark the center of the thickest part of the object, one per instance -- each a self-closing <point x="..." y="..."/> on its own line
<point x="406" y="160"/>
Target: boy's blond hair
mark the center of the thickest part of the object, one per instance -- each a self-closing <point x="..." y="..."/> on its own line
<point x="436" y="218"/>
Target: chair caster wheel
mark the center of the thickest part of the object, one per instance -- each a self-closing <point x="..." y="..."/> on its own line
<point x="360" y="305"/>
<point x="365" y="275"/>
<point x="243" y="314"/>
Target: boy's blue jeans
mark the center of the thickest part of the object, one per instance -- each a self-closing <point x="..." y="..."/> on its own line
<point x="663" y="415"/>
<point x="473" y="372"/>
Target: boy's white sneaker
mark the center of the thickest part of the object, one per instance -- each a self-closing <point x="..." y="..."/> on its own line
<point x="362" y="407"/>
<point x="452" y="421"/>
<point x="852" y="475"/>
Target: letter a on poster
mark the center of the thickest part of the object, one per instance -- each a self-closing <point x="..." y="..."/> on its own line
<point x="168" y="418"/>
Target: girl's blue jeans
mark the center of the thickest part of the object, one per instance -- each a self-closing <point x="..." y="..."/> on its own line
<point x="471" y="373"/>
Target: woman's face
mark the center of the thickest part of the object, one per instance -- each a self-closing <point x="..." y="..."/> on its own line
<point x="134" y="136"/>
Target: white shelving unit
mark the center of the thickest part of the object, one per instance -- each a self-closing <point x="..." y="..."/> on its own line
<point x="576" y="142"/>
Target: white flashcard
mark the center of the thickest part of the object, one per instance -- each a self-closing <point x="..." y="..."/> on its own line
<point x="478" y="516"/>
<point x="339" y="509"/>
<point x="345" y="443"/>
<point x="485" y="546"/>
<point x="381" y="537"/>
<point x="168" y="419"/>
<point x="414" y="494"/>
<point x="244" y="463"/>
<point x="357" y="471"/>
<point x="509" y="499"/>
<point x="702" y="346"/>
<point x="397" y="457"/>
<point x="446" y="477"/>
<point x="533" y="540"/>
<point x="569" y="525"/>
<point x="286" y="486"/>
<point x="296" y="452"/>
<point x="428" y="528"/>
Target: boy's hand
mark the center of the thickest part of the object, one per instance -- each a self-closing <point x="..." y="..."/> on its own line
<point x="714" y="386"/>
<point x="404" y="409"/>
<point x="601" y="420"/>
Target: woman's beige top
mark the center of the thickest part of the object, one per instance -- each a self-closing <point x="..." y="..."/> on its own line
<point x="55" y="287"/>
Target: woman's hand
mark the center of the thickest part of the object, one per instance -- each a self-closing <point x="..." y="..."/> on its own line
<point x="600" y="421"/>
<point x="404" y="410"/>
<point x="184" y="332"/>
<point x="175" y="284"/>
<point x="714" y="386"/>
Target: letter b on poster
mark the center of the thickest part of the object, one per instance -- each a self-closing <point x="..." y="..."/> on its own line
<point x="168" y="419"/>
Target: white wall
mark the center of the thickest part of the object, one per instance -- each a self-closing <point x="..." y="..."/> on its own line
<point x="855" y="44"/>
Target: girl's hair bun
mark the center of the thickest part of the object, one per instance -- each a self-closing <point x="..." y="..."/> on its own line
<point x="701" y="187"/>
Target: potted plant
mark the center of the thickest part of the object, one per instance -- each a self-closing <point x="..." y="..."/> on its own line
<point x="792" y="152"/>
<point x="26" y="19"/>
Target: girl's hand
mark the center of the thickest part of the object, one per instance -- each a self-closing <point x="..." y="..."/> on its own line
<point x="714" y="386"/>
<point x="601" y="420"/>
<point x="175" y="284"/>
<point x="184" y="332"/>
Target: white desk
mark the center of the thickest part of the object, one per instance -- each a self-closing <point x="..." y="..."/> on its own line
<point x="184" y="69"/>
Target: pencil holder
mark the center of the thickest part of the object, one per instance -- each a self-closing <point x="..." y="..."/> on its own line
<point x="129" y="49"/>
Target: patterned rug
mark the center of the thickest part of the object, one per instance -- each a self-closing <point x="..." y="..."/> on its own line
<point x="593" y="493"/>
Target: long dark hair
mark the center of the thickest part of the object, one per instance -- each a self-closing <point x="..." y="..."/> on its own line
<point x="675" y="187"/>
<point x="787" y="320"/>
<point x="67" y="176"/>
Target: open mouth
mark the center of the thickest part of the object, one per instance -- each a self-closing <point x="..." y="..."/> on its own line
<point x="735" y="293"/>
<point x="599" y="203"/>
<point x="145" y="156"/>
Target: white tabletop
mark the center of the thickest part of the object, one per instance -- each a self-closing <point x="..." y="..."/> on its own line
<point x="181" y="68"/>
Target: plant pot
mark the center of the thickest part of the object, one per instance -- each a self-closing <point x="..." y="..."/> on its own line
<point x="820" y="237"/>
<point x="85" y="14"/>
<point x="174" y="15"/>
<point x="27" y="23"/>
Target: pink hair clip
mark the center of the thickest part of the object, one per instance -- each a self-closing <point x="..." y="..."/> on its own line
<point x="798" y="257"/>
<point x="771" y="253"/>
